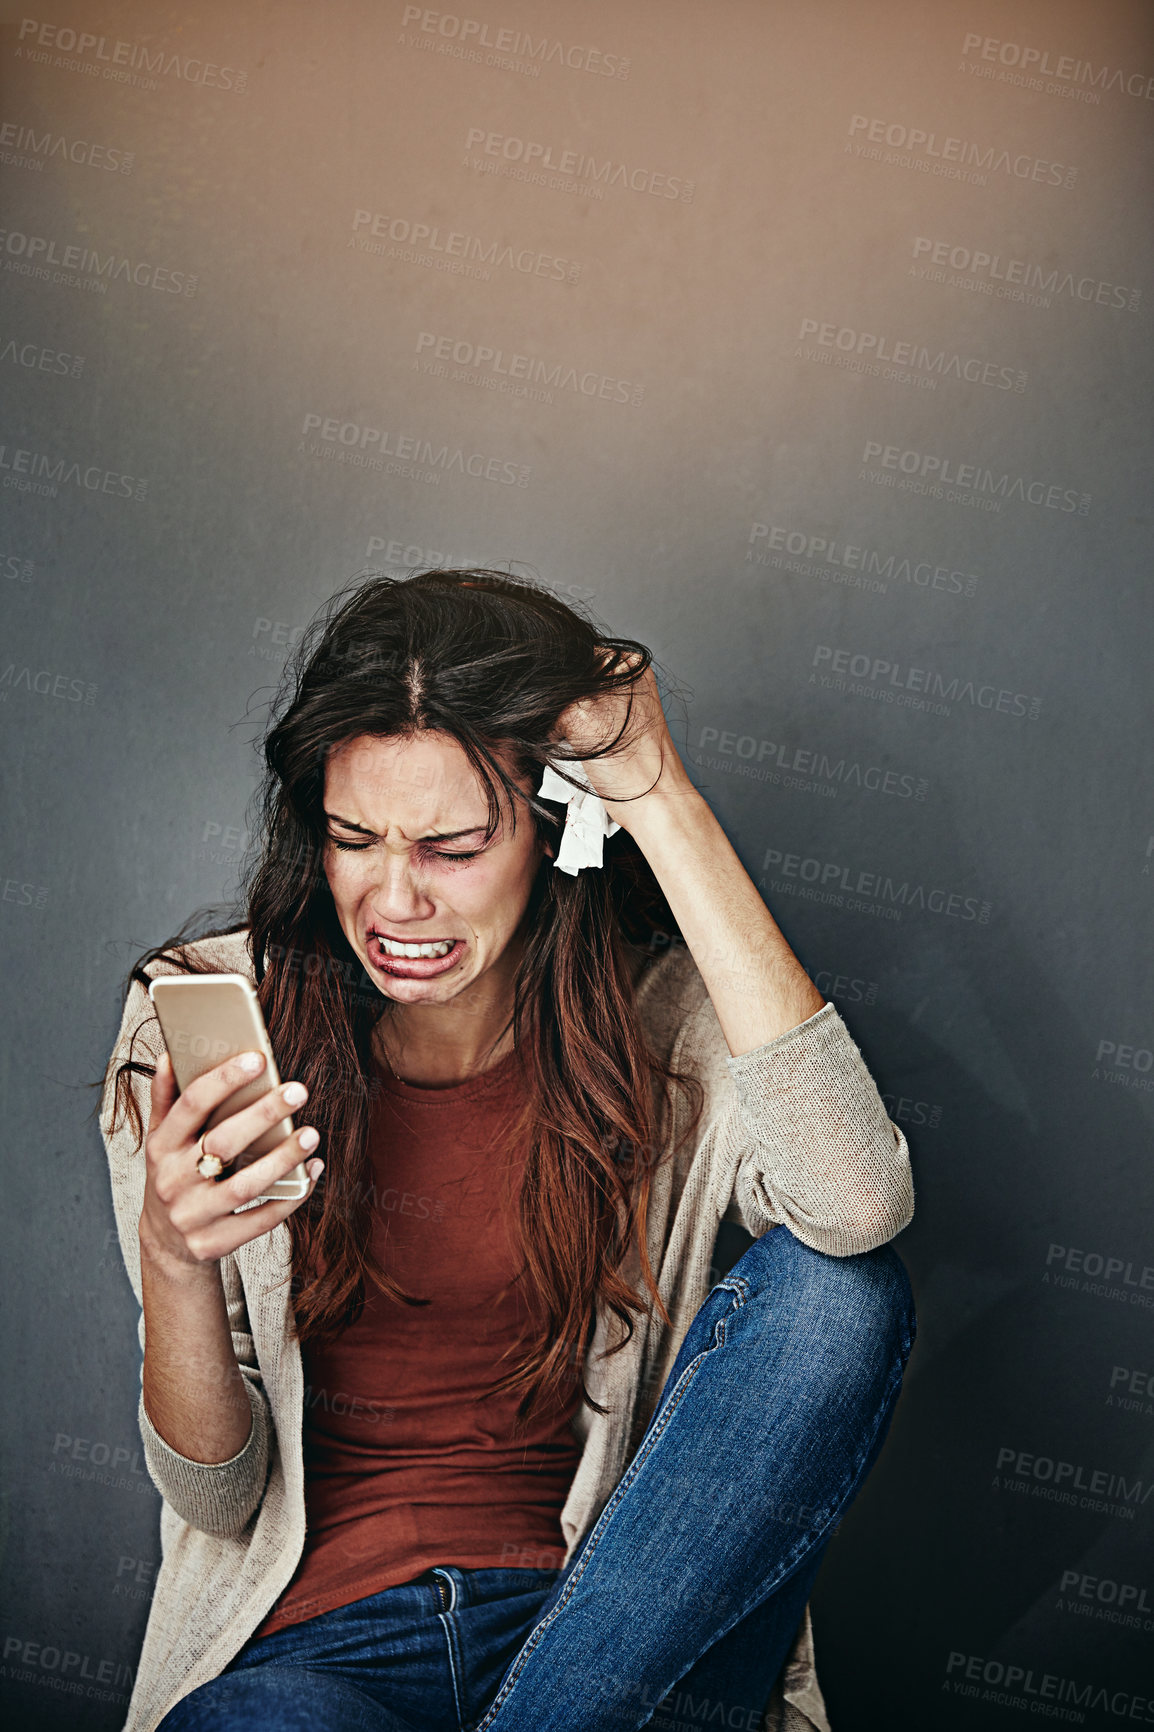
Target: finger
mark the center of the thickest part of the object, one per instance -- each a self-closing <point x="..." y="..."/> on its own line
<point x="197" y="1205"/>
<point x="196" y="1103"/>
<point x="233" y="1135"/>
<point x="259" y="1176"/>
<point x="162" y="1090"/>
<point x="162" y="1094"/>
<point x="227" y="1234"/>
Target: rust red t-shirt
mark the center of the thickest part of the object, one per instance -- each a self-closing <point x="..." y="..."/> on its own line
<point x="410" y="1460"/>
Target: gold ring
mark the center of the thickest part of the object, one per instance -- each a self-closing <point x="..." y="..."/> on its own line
<point x="208" y="1166"/>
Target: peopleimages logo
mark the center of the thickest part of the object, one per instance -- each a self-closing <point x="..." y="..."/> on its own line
<point x="953" y="158"/>
<point x="575" y="165"/>
<point x="1037" y="63"/>
<point x="517" y="374"/>
<point x="1042" y="1693"/>
<point x="1098" y="1273"/>
<point x="892" y="681"/>
<point x="874" y="348"/>
<point x="944" y="477"/>
<point x="24" y="895"/>
<point x="849" y="989"/>
<point x="67" y="1669"/>
<point x="34" y="357"/>
<point x="852" y="564"/>
<point x="831" y="882"/>
<point x="393" y="551"/>
<point x="26" y="471"/>
<point x="32" y="255"/>
<point x="1105" y="1600"/>
<point x="1104" y="1590"/>
<point x="46" y="684"/>
<point x="1016" y="279"/>
<point x="24" y="147"/>
<point x="506" y="48"/>
<point x="1131" y="1389"/>
<point x="17" y="568"/>
<point x="364" y="447"/>
<point x="453" y="250"/>
<point x="101" y="56"/>
<point x="1071" y="1483"/>
<point x="802" y="767"/>
<point x="1125" y="1064"/>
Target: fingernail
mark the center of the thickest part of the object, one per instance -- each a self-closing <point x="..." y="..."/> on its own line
<point x="309" y="1138"/>
<point x="294" y="1093"/>
<point x="249" y="1061"/>
<point x="315" y="1169"/>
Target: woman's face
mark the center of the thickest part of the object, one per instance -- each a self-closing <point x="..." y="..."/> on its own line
<point x="407" y="865"/>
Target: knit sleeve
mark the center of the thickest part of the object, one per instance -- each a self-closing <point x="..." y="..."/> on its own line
<point x="799" y="1135"/>
<point x="217" y="1497"/>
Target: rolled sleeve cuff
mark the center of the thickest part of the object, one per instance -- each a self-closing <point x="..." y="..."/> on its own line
<point x="825" y="1156"/>
<point x="218" y="1497"/>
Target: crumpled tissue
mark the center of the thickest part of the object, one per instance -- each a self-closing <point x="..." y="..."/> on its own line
<point x="587" y="823"/>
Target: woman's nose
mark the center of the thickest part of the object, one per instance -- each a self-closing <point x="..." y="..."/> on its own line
<point x="397" y="892"/>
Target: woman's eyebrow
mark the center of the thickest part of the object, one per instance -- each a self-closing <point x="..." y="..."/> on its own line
<point x="436" y="836"/>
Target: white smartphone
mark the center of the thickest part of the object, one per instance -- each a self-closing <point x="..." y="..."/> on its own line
<point x="206" y="1018"/>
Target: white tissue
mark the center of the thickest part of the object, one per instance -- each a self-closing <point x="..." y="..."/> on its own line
<point x="587" y="823"/>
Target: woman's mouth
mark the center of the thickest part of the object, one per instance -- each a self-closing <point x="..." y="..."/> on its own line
<point x="414" y="961"/>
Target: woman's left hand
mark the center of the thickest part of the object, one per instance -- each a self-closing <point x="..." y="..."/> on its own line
<point x="644" y="761"/>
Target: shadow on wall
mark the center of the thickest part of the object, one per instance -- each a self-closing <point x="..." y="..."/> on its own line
<point x="950" y="1549"/>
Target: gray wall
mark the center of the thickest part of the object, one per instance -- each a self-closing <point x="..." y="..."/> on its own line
<point x="850" y="425"/>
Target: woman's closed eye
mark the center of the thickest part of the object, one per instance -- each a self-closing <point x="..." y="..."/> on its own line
<point x="435" y="853"/>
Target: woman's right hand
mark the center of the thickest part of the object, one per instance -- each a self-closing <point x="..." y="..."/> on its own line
<point x="188" y="1220"/>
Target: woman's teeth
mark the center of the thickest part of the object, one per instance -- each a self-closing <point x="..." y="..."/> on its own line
<point x="391" y="949"/>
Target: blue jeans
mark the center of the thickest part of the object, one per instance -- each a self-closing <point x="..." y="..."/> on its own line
<point x="687" y="1591"/>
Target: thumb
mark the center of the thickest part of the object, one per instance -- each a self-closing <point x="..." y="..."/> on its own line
<point x="164" y="1090"/>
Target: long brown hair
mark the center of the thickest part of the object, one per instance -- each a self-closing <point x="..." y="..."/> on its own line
<point x="491" y="660"/>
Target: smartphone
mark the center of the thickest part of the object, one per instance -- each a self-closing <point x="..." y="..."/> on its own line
<point x="206" y="1018"/>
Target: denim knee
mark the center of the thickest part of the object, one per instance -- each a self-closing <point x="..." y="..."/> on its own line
<point x="865" y="1297"/>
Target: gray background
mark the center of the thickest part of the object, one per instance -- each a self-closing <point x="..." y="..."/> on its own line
<point x="145" y="625"/>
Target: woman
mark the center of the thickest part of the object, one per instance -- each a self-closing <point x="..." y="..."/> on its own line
<point x="466" y="1437"/>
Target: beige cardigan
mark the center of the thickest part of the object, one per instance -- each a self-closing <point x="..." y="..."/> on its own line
<point x="792" y="1132"/>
